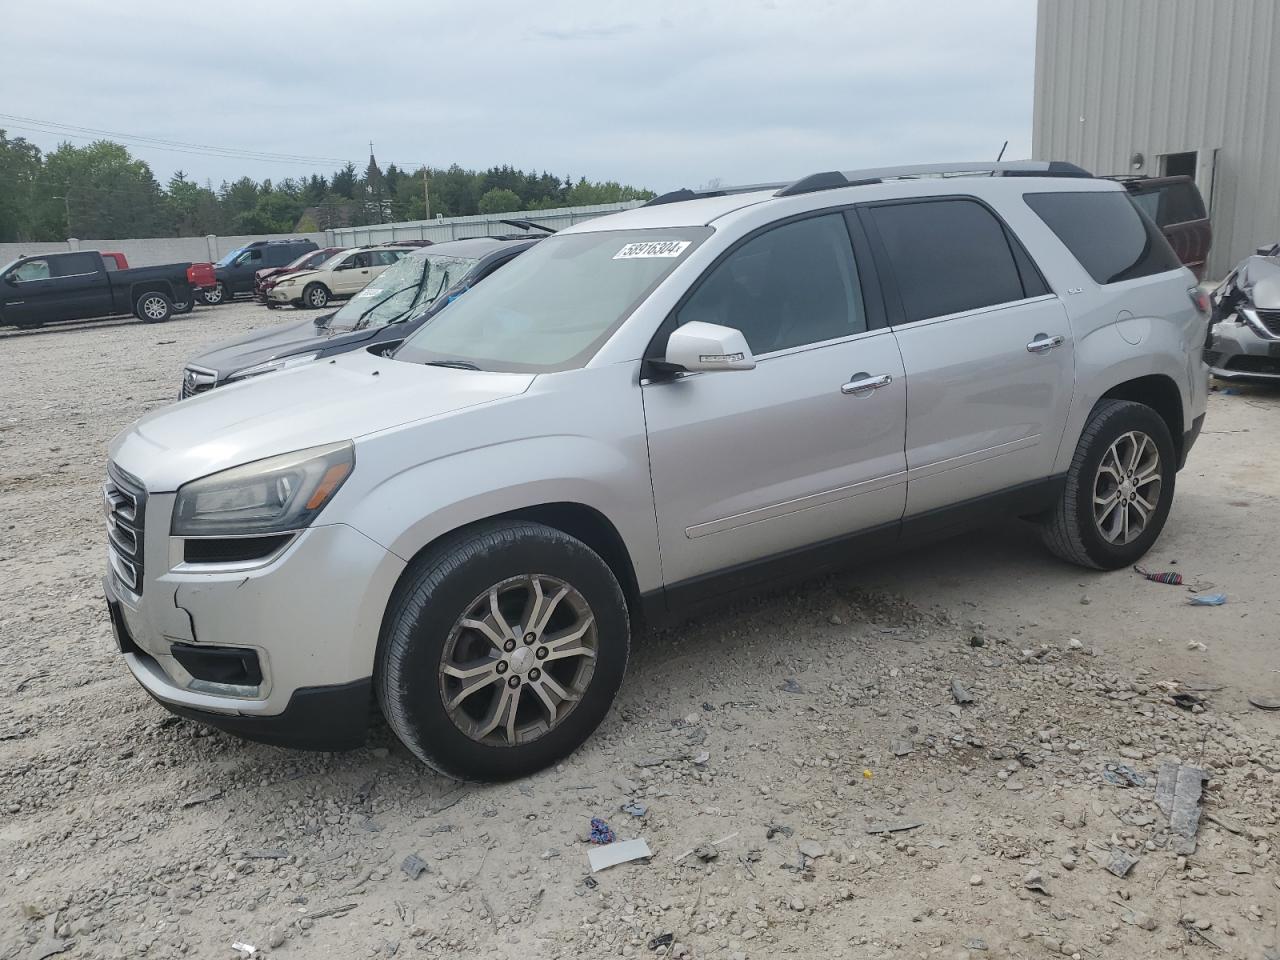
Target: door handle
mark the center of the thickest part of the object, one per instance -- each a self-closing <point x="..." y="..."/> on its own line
<point x="1043" y="343"/>
<point x="862" y="384"/>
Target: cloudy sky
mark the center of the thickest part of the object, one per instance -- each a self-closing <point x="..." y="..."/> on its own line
<point x="663" y="93"/>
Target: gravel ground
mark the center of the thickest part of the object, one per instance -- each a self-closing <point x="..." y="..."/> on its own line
<point x="764" y="743"/>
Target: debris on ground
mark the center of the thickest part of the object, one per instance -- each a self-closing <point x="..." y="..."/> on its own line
<point x="777" y="828"/>
<point x="1034" y="880"/>
<point x="601" y="832"/>
<point x="790" y="685"/>
<point x="635" y="808"/>
<point x="1264" y="703"/>
<point x="662" y="940"/>
<point x="893" y="826"/>
<point x="1187" y="700"/>
<point x="413" y="866"/>
<point x="1124" y="776"/>
<point x="1120" y="862"/>
<point x="960" y="694"/>
<point x="204" y="796"/>
<point x="244" y="949"/>
<point x="1172" y="578"/>
<point x="1136" y="918"/>
<point x="1178" y="790"/>
<point x="705" y="852"/>
<point x="623" y="851"/>
<point x="1208" y="600"/>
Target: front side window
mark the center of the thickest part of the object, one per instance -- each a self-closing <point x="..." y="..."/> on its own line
<point x="948" y="256"/>
<point x="792" y="285"/>
<point x="552" y="307"/>
<point x="33" y="270"/>
<point x="1105" y="231"/>
<point x="230" y="258"/>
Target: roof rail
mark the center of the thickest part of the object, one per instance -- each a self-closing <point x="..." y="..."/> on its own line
<point x="850" y="178"/>
<point x="676" y="196"/>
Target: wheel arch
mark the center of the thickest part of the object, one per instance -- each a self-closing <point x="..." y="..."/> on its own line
<point x="1159" y="392"/>
<point x="150" y="286"/>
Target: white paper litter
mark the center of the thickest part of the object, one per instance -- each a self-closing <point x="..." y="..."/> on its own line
<point x="612" y="854"/>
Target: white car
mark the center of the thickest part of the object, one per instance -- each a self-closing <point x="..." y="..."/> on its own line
<point x="342" y="275"/>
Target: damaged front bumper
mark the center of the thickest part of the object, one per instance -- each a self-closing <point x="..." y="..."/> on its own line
<point x="280" y="649"/>
<point x="1242" y="348"/>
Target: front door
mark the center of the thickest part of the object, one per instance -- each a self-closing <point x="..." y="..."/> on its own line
<point x="30" y="293"/>
<point x="353" y="273"/>
<point x="758" y="464"/>
<point x="986" y="346"/>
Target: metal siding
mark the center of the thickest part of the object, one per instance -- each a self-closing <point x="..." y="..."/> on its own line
<point x="1166" y="76"/>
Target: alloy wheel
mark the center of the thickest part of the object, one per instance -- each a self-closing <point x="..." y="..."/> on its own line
<point x="518" y="660"/>
<point x="1126" y="488"/>
<point x="155" y="308"/>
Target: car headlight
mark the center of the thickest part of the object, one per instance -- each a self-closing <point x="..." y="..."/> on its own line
<point x="271" y="366"/>
<point x="276" y="495"/>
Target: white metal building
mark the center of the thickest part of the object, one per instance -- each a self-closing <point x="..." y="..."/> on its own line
<point x="1157" y="87"/>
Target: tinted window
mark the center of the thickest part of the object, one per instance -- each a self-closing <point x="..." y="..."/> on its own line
<point x="1106" y="233"/>
<point x="73" y="264"/>
<point x="948" y="256"/>
<point x="278" y="256"/>
<point x="793" y="285"/>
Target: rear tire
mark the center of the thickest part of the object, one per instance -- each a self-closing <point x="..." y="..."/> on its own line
<point x="518" y="653"/>
<point x="153" y="307"/>
<point x="1119" y="488"/>
<point x="315" y="296"/>
<point x="216" y="294"/>
<point x="184" y="306"/>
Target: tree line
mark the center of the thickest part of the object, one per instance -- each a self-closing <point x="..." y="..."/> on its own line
<point x="100" y="191"/>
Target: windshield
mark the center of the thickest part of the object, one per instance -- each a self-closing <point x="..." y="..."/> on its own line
<point x="226" y="261"/>
<point x="9" y="266"/>
<point x="553" y="306"/>
<point x="302" y="261"/>
<point x="412" y="282"/>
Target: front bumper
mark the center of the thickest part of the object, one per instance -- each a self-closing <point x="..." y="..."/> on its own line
<point x="307" y="617"/>
<point x="285" y="295"/>
<point x="1239" y="352"/>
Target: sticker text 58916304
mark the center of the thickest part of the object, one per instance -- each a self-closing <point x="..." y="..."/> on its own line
<point x="651" y="248"/>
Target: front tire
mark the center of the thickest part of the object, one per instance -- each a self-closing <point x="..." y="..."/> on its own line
<point x="315" y="296"/>
<point x="153" y="307"/>
<point x="502" y="650"/>
<point x="1119" y="488"/>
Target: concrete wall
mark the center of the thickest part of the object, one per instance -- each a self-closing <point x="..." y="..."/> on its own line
<point x="149" y="252"/>
<point x="1115" y="78"/>
<point x="459" y="228"/>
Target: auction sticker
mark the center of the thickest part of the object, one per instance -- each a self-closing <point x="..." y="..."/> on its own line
<point x="651" y="248"/>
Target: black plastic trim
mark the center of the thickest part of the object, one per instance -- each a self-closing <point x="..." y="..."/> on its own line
<point x="317" y="718"/>
<point x="829" y="180"/>
<point x="1189" y="440"/>
<point x="232" y="549"/>
<point x="238" y="666"/>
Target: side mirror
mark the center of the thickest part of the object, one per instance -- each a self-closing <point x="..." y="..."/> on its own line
<point x="11" y="279"/>
<point x="698" y="346"/>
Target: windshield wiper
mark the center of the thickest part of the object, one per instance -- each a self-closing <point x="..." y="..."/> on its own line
<point x="455" y="364"/>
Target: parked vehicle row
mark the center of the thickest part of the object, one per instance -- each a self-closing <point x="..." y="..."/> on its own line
<point x="639" y="415"/>
<point x="342" y="275"/>
<point x="268" y="277"/>
<point x="234" y="274"/>
<point x="379" y="317"/>
<point x="86" y="284"/>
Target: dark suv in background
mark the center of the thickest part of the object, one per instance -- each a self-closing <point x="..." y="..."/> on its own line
<point x="1175" y="206"/>
<point x="234" y="274"/>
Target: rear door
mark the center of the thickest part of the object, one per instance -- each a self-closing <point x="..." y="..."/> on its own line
<point x="755" y="465"/>
<point x="986" y="345"/>
<point x="83" y="289"/>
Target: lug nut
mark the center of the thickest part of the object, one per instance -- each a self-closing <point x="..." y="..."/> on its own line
<point x="509" y="646"/>
<point x="501" y="667"/>
<point x="541" y="653"/>
<point x="513" y="682"/>
<point x="529" y="638"/>
<point x="535" y="674"/>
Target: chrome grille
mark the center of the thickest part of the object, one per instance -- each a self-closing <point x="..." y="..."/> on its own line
<point x="197" y="380"/>
<point x="124" y="500"/>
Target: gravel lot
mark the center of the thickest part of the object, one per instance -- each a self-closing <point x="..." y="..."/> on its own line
<point x="769" y="738"/>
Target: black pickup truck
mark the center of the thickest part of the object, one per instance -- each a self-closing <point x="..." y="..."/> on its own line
<point x="77" y="286"/>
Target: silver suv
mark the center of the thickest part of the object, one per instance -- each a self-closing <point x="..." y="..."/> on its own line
<point x="643" y="413"/>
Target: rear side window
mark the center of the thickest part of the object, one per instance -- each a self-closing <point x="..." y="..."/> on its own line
<point x="1106" y="233"/>
<point x="948" y="256"/>
<point x="74" y="264"/>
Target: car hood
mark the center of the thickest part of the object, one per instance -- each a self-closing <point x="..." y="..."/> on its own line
<point x="271" y="343"/>
<point x="325" y="402"/>
<point x="299" y="275"/>
<point x="1259" y="278"/>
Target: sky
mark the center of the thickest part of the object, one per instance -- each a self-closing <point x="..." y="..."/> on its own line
<point x="659" y="94"/>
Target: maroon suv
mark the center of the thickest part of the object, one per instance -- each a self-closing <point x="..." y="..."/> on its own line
<point x="1176" y="207"/>
<point x="267" y="278"/>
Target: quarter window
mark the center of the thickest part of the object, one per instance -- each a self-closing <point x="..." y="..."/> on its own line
<point x="793" y="285"/>
<point x="1106" y="233"/>
<point x="948" y="256"/>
